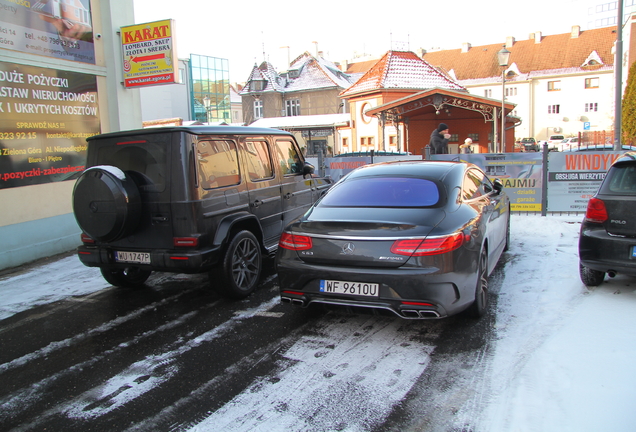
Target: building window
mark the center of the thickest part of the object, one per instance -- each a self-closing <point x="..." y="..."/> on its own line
<point x="292" y="107"/>
<point x="474" y="137"/>
<point x="392" y="140"/>
<point x="454" y="138"/>
<point x="554" y="85"/>
<point x="258" y="109"/>
<point x="554" y="109"/>
<point x="488" y="93"/>
<point x="591" y="107"/>
<point x="511" y="91"/>
<point x="345" y="142"/>
<point x="367" y="141"/>
<point x="591" y="83"/>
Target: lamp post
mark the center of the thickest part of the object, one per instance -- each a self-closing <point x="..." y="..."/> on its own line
<point x="503" y="56"/>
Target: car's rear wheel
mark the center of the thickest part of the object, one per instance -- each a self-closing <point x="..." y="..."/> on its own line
<point x="591" y="277"/>
<point x="129" y="277"/>
<point x="479" y="306"/>
<point x="240" y="269"/>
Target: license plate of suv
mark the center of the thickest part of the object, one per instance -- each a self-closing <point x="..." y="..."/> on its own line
<point x="132" y="257"/>
<point x="352" y="288"/>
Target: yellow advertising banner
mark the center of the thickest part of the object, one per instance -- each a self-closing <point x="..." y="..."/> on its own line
<point x="150" y="57"/>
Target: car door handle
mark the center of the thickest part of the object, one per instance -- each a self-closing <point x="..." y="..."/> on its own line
<point x="257" y="203"/>
<point x="288" y="195"/>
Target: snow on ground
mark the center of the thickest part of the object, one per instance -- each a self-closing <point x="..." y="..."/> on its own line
<point x="562" y="356"/>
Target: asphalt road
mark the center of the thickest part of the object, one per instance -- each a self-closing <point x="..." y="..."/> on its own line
<point x="175" y="356"/>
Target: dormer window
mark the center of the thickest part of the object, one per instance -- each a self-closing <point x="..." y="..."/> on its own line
<point x="294" y="73"/>
<point x="258" y="85"/>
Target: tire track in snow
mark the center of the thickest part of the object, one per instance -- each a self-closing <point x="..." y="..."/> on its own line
<point x="347" y="376"/>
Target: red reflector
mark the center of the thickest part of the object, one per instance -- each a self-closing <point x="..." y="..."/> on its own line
<point x="179" y="258"/>
<point x="596" y="211"/>
<point x="295" y="242"/>
<point x="417" y="303"/>
<point x="429" y="246"/>
<point x="185" y="241"/>
<point x="85" y="253"/>
<point x="86" y="239"/>
<point x="293" y="293"/>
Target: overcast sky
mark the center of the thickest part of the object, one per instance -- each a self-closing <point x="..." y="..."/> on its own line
<point x="249" y="31"/>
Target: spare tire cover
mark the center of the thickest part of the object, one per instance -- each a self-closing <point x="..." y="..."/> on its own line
<point x="106" y="203"/>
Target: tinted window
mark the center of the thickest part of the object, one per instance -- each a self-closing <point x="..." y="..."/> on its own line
<point x="471" y="187"/>
<point x="218" y="163"/>
<point x="142" y="157"/>
<point x="287" y="157"/>
<point x="259" y="162"/>
<point x="383" y="192"/>
<point x="621" y="179"/>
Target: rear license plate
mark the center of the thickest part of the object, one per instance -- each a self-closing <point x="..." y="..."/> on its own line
<point x="352" y="288"/>
<point x="132" y="257"/>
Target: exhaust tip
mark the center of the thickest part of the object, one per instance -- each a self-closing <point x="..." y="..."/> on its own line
<point x="611" y="273"/>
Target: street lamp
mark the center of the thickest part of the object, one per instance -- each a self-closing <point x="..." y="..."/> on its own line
<point x="503" y="56"/>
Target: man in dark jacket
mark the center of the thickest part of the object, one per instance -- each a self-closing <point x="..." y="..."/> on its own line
<point x="439" y="143"/>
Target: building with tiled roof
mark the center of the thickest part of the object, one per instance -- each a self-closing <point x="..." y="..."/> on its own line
<point x="310" y="86"/>
<point x="560" y="84"/>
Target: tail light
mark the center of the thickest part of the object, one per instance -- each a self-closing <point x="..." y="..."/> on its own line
<point x="185" y="241"/>
<point x="428" y="246"/>
<point x="295" y="242"/>
<point x="86" y="239"/>
<point x="596" y="211"/>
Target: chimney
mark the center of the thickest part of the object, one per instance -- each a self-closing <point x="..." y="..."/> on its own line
<point x="465" y="47"/>
<point x="510" y="41"/>
<point x="344" y="65"/>
<point x="321" y="54"/>
<point x="576" y="31"/>
<point x="536" y="36"/>
<point x="420" y="52"/>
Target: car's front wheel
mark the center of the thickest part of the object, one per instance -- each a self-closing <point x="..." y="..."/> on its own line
<point x="591" y="277"/>
<point x="240" y="270"/>
<point x="479" y="306"/>
<point x="129" y="277"/>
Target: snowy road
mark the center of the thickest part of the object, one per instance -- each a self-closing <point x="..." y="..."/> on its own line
<point x="80" y="355"/>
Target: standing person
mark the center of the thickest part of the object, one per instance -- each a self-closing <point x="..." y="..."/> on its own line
<point x="466" y="147"/>
<point x="439" y="139"/>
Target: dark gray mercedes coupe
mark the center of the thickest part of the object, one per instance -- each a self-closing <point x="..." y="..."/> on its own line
<point x="417" y="238"/>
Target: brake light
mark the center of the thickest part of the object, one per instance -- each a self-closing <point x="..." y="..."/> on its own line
<point x="428" y="246"/>
<point x="295" y="242"/>
<point x="185" y="241"/>
<point x="86" y="239"/>
<point x="596" y="211"/>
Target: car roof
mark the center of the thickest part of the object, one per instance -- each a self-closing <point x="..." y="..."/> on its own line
<point x="196" y="130"/>
<point x="627" y="157"/>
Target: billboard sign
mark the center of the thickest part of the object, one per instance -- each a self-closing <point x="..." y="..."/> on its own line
<point x="46" y="116"/>
<point x="58" y="29"/>
<point x="150" y="57"/>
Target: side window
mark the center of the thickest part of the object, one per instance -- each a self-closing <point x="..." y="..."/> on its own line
<point x="218" y="163"/>
<point x="472" y="185"/>
<point x="258" y="160"/>
<point x="287" y="157"/>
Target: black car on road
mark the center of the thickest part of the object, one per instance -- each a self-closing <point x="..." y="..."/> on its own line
<point x="190" y="200"/>
<point x="607" y="241"/>
<point x="417" y="238"/>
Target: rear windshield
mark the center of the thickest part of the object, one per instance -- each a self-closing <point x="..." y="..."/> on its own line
<point x="621" y="179"/>
<point x="383" y="192"/>
<point x="142" y="157"/>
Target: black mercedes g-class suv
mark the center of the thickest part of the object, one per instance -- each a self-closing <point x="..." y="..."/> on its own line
<point x="189" y="200"/>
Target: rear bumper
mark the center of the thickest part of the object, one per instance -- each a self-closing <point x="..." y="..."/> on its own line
<point x="422" y="293"/>
<point x="600" y="251"/>
<point x="188" y="261"/>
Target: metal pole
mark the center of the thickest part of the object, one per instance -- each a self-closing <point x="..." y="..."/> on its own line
<point x="618" y="78"/>
<point x="503" y="111"/>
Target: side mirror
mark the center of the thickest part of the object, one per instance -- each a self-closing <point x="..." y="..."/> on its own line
<point x="308" y="169"/>
<point x="498" y="185"/>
